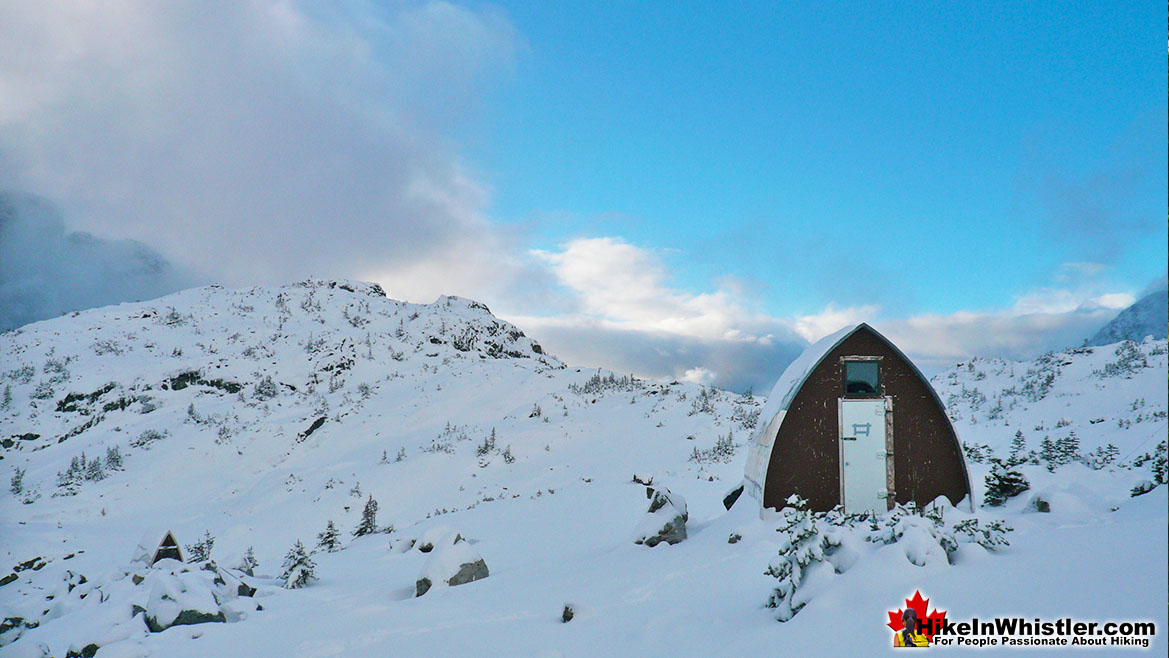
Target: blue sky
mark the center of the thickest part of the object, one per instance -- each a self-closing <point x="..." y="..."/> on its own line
<point x="692" y="190"/>
<point x="784" y="143"/>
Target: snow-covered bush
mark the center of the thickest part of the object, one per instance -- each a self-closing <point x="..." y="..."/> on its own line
<point x="368" y="524"/>
<point x="248" y="563"/>
<point x="113" y="458"/>
<point x="299" y="569"/>
<point x="805" y="544"/>
<point x="1060" y="452"/>
<point x="977" y="452"/>
<point x="989" y="536"/>
<point x="16" y="485"/>
<point x="721" y="452"/>
<point x="1129" y="360"/>
<point x="488" y="445"/>
<point x="147" y="437"/>
<point x="815" y="545"/>
<point x="200" y="551"/>
<point x="330" y="538"/>
<point x="1003" y="482"/>
<point x="265" y="389"/>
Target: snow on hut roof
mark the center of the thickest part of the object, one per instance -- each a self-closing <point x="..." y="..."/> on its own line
<point x="148" y="546"/>
<point x="786" y="387"/>
<point x="793" y="377"/>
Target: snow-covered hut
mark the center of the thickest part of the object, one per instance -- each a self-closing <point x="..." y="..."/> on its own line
<point x="155" y="545"/>
<point x="853" y="422"/>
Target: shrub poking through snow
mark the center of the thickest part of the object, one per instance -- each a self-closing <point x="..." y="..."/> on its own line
<point x="113" y="458"/>
<point x="1143" y="487"/>
<point x="989" y="536"/>
<point x="248" y="563"/>
<point x="814" y="545"/>
<point x="200" y="551"/>
<point x="665" y="521"/>
<point x="299" y="569"/>
<point x="805" y="544"/>
<point x="722" y="452"/>
<point x="1003" y="482"/>
<point x="17" y="484"/>
<point x="368" y="525"/>
<point x="330" y="539"/>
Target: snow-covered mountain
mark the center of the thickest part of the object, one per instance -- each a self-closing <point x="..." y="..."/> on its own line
<point x="1149" y="316"/>
<point x="1105" y="394"/>
<point x="258" y="416"/>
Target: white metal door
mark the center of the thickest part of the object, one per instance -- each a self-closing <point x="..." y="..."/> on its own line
<point x="862" y="455"/>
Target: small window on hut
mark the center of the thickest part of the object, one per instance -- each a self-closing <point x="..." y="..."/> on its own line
<point x="862" y="378"/>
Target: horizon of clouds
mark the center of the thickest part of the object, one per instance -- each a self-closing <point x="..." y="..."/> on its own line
<point x="629" y="318"/>
<point x="343" y="160"/>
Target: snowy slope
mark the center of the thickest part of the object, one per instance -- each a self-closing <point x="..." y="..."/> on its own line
<point x="1149" y="316"/>
<point x="1106" y="394"/>
<point x="215" y="400"/>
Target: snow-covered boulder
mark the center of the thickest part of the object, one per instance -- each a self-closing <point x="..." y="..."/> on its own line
<point x="1039" y="503"/>
<point x="401" y="545"/>
<point x="451" y="564"/>
<point x="185" y="597"/>
<point x="665" y="521"/>
<point x="437" y="537"/>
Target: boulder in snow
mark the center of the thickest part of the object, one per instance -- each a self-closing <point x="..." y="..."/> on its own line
<point x="665" y="521"/>
<point x="451" y="564"/>
<point x="732" y="496"/>
<point x="437" y="537"/>
<point x="1039" y="504"/>
<point x="185" y="597"/>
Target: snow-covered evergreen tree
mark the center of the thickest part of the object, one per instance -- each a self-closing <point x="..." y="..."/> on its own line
<point x="248" y="562"/>
<point x="330" y="539"/>
<point x="1159" y="463"/>
<point x="488" y="445"/>
<point x="299" y="569"/>
<point x="804" y="544"/>
<point x="94" y="470"/>
<point x="368" y="523"/>
<point x="1003" y="482"/>
<point x="200" y="551"/>
<point x="1018" y="454"/>
<point x="1048" y="454"/>
<point x="113" y="458"/>
<point x="17" y="483"/>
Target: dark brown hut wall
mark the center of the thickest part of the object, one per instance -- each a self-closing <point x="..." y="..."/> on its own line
<point x="805" y="459"/>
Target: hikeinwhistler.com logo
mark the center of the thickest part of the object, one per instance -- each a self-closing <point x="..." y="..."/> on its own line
<point x="913" y="626"/>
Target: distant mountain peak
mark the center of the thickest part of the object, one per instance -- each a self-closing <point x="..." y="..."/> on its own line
<point x="1149" y="316"/>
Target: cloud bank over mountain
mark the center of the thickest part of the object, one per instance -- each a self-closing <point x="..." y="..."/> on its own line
<point x="46" y="272"/>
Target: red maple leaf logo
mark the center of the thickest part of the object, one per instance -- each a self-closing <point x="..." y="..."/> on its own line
<point x="919" y="606"/>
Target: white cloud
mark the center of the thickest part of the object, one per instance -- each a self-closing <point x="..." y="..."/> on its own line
<point x="626" y="315"/>
<point x="629" y="317"/>
<point x="699" y="375"/>
<point x="626" y="287"/>
<point x="814" y="327"/>
<point x="260" y="140"/>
